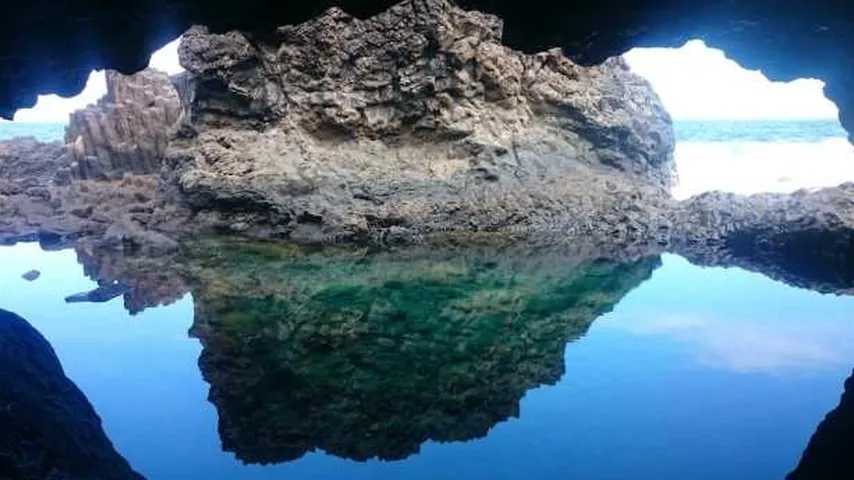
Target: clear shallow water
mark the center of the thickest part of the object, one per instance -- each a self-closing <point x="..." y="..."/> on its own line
<point x="446" y="365"/>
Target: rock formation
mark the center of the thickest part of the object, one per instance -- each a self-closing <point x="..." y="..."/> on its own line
<point x="805" y="238"/>
<point x="50" y="430"/>
<point x="54" y="49"/>
<point x="369" y="355"/>
<point x="104" y="183"/>
<point x="127" y="132"/>
<point x="28" y="165"/>
<point x="830" y="452"/>
<point x="414" y="121"/>
<point x="413" y="126"/>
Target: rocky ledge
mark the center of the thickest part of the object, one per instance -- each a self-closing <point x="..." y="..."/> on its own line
<point x="416" y="125"/>
<point x="413" y="122"/>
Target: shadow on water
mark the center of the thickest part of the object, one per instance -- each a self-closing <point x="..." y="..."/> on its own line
<point x="360" y="354"/>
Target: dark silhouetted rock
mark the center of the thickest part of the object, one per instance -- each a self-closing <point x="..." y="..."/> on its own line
<point x="31" y="276"/>
<point x="48" y="429"/>
<point x="102" y="294"/>
<point x="830" y="453"/>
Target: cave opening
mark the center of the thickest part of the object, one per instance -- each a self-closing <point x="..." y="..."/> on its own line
<point x="47" y="119"/>
<point x="737" y="131"/>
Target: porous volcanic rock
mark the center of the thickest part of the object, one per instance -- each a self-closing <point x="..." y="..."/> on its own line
<point x="805" y="238"/>
<point x="127" y="131"/>
<point x="415" y="121"/>
<point x="100" y="185"/>
<point x="27" y="163"/>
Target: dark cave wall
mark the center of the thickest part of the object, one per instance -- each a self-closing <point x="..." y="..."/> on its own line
<point x="50" y="47"/>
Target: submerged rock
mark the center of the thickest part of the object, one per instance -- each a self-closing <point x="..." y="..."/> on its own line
<point x="31" y="276"/>
<point x="369" y="355"/>
<point x="104" y="293"/>
<point x="415" y="121"/>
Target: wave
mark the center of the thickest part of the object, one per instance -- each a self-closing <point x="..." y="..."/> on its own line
<point x="754" y="167"/>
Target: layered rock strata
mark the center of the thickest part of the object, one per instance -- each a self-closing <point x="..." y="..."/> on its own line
<point x="413" y="126"/>
<point x="412" y="122"/>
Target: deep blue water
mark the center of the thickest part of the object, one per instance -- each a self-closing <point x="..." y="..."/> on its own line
<point x="701" y="373"/>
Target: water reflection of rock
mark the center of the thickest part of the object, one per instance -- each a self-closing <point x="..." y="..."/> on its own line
<point x="830" y="453"/>
<point x="48" y="429"/>
<point x="371" y="356"/>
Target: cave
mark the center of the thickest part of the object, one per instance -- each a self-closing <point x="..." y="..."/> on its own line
<point x="737" y="131"/>
<point x="52" y="50"/>
<point x="378" y="226"/>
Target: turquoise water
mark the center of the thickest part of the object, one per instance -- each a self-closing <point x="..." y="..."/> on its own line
<point x="45" y="132"/>
<point x="441" y="366"/>
<point x="686" y="130"/>
<point x="757" y="130"/>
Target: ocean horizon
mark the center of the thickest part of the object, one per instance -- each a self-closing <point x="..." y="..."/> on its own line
<point x="737" y="156"/>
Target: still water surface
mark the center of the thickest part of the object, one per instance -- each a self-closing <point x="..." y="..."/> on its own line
<point x="465" y="365"/>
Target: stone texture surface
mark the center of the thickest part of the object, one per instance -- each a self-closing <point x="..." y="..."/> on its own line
<point x="127" y="131"/>
<point x="28" y="164"/>
<point x="414" y="126"/>
<point x="415" y="121"/>
<point x="805" y="238"/>
<point x="54" y="49"/>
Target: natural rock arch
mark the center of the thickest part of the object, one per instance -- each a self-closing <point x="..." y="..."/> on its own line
<point x="52" y="48"/>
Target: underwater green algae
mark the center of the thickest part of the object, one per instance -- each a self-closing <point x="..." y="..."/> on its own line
<point x="370" y="354"/>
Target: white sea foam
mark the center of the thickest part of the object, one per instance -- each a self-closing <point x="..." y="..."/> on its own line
<point x="754" y="167"/>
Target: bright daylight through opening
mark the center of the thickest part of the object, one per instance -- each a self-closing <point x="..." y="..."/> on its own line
<point x="739" y="132"/>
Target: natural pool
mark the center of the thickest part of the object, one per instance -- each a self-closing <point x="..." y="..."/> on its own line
<point x="419" y="364"/>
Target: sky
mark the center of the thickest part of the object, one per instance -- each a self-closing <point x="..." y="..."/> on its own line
<point x="698" y="82"/>
<point x="55" y="109"/>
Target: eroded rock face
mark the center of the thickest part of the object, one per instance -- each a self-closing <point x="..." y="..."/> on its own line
<point x="414" y="121"/>
<point x="805" y="238"/>
<point x="100" y="184"/>
<point x="26" y="164"/>
<point x="127" y="131"/>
